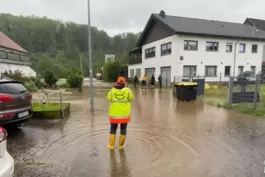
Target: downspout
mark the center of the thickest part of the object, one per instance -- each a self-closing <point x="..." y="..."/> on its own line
<point x="234" y="66"/>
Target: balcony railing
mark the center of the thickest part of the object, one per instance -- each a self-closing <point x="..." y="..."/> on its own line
<point x="135" y="56"/>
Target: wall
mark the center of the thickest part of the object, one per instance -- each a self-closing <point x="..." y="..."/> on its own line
<point x="201" y="58"/>
<point x="159" y="61"/>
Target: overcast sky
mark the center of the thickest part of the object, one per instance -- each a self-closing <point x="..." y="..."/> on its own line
<point x="117" y="16"/>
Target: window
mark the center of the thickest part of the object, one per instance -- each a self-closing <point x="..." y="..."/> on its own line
<point x="3" y="54"/>
<point x="240" y="69"/>
<point x="166" y="49"/>
<point x="151" y="52"/>
<point x="138" y="73"/>
<point x="131" y="73"/>
<point x="254" y="48"/>
<point x="227" y="70"/>
<point x="212" y="46"/>
<point x="229" y="47"/>
<point x="189" y="71"/>
<point x="12" y="88"/>
<point x="210" y="71"/>
<point x="253" y="69"/>
<point x="190" y="45"/>
<point x="242" y="48"/>
<point x="12" y="56"/>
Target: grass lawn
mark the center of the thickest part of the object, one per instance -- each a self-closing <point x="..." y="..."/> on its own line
<point x="219" y="97"/>
<point x="37" y="107"/>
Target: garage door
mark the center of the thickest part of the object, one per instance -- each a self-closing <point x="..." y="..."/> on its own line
<point x="166" y="76"/>
<point x="149" y="72"/>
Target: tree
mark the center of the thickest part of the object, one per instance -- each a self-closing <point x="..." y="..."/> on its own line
<point x="75" y="79"/>
<point x="50" y="78"/>
<point x="45" y="39"/>
<point x="111" y="71"/>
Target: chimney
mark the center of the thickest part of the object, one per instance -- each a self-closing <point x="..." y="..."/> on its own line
<point x="162" y="13"/>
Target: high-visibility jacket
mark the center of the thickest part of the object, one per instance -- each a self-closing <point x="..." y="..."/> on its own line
<point x="120" y="105"/>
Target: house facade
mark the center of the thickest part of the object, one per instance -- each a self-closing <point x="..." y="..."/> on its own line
<point x="13" y="57"/>
<point x="178" y="47"/>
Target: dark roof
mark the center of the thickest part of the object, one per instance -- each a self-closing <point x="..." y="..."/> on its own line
<point x="258" y="23"/>
<point x="6" y="42"/>
<point x="184" y="25"/>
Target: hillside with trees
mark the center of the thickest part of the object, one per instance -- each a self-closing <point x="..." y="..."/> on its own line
<point x="59" y="46"/>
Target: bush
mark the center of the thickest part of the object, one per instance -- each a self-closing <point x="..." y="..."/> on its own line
<point x="17" y="75"/>
<point x="75" y="78"/>
<point x="111" y="71"/>
<point x="50" y="78"/>
<point x="31" y="87"/>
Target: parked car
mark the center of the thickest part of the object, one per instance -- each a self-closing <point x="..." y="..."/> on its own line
<point x="15" y="102"/>
<point x="6" y="161"/>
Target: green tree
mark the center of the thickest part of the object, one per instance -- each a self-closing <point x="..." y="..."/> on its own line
<point x="75" y="79"/>
<point x="111" y="71"/>
<point x="50" y="78"/>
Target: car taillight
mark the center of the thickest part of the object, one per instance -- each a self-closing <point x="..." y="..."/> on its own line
<point x="5" y="98"/>
<point x="30" y="96"/>
<point x="3" y="134"/>
<point x="7" y="116"/>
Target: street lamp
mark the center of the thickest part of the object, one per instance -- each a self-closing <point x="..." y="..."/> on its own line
<point x="90" y="58"/>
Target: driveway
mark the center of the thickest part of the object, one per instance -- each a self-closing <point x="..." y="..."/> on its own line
<point x="166" y="138"/>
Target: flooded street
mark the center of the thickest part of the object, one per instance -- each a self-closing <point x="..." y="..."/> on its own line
<point x="166" y="138"/>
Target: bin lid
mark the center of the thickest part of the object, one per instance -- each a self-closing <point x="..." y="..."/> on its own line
<point x="187" y="84"/>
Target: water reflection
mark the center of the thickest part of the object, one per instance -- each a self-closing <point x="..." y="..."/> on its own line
<point x="119" y="168"/>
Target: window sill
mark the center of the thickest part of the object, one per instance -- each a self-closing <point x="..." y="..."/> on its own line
<point x="242" y="52"/>
<point x="165" y="54"/>
<point x="211" y="51"/>
<point x="190" y="50"/>
<point x="211" y="76"/>
<point x="149" y="58"/>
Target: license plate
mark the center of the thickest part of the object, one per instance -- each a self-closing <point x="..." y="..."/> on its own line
<point x="23" y="114"/>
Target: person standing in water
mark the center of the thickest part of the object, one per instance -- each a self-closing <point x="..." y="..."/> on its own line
<point x="160" y="81"/>
<point x="120" y="98"/>
<point x="144" y="81"/>
<point x="152" y="81"/>
<point x="135" y="81"/>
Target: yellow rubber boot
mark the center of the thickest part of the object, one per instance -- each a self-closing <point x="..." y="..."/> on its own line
<point x="122" y="140"/>
<point x="112" y="138"/>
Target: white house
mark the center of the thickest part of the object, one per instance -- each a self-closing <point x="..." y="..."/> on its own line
<point x="13" y="57"/>
<point x="176" y="46"/>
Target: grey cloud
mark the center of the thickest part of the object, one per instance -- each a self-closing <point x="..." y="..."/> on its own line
<point x="116" y="16"/>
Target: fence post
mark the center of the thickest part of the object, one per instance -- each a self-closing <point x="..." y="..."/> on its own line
<point x="61" y="105"/>
<point x="220" y="79"/>
<point x="256" y="93"/>
<point x="230" y="89"/>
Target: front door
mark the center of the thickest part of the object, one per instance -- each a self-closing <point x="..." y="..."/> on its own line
<point x="166" y="76"/>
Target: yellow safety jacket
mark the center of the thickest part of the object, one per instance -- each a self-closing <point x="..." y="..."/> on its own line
<point x="120" y="105"/>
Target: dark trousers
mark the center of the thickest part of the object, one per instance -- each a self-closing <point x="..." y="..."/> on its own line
<point x="143" y="83"/>
<point x="113" y="128"/>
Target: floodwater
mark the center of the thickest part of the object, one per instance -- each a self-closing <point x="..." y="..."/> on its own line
<point x="166" y="138"/>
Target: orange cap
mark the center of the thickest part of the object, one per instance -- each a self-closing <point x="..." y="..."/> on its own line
<point x="121" y="80"/>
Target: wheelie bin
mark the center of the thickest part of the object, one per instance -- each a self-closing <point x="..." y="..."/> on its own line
<point x="186" y="91"/>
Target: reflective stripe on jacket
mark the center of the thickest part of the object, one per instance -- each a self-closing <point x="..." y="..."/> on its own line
<point x="120" y="105"/>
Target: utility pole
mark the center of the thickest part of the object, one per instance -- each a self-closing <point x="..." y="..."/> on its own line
<point x="90" y="58"/>
<point x="234" y="65"/>
<point x="81" y="67"/>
